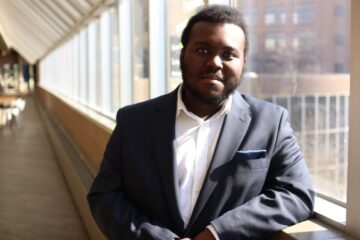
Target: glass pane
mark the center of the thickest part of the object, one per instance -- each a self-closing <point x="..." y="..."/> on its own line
<point x="179" y="13"/>
<point x="296" y="113"/>
<point x="282" y="101"/>
<point x="303" y="13"/>
<point x="299" y="56"/>
<point x="274" y="14"/>
<point x="115" y="60"/>
<point x="141" y="50"/>
<point x="83" y="85"/>
<point x="93" y="62"/>
<point x="309" y="149"/>
<point x="322" y="110"/>
<point x="342" y="112"/>
<point x="334" y="114"/>
<point x="105" y="64"/>
<point x="310" y="113"/>
<point x="75" y="68"/>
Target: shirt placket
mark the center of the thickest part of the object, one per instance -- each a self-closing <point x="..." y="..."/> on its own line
<point x="202" y="143"/>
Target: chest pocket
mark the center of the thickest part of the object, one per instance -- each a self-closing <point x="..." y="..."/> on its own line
<point x="250" y="160"/>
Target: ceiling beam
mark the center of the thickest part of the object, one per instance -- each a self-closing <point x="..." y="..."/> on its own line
<point x="65" y="18"/>
<point x="32" y="22"/>
<point x="82" y="5"/>
<point x="25" y="29"/>
<point x="43" y="19"/>
<point x="46" y="11"/>
<point x="67" y="7"/>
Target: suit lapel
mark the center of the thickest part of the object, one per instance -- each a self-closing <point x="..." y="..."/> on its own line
<point x="163" y="130"/>
<point x="233" y="131"/>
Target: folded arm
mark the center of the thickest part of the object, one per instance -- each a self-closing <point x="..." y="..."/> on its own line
<point x="286" y="197"/>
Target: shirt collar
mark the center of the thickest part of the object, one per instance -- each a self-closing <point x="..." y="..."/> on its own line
<point x="180" y="106"/>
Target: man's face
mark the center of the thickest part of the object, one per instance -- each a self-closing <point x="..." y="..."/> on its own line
<point x="212" y="62"/>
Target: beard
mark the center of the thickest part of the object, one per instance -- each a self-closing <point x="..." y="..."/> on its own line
<point x="208" y="100"/>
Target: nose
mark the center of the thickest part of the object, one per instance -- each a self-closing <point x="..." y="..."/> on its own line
<point x="214" y="62"/>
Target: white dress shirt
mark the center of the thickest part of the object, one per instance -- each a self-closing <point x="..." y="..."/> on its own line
<point x="194" y="145"/>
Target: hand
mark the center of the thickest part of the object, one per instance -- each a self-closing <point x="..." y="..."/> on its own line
<point x="205" y="235"/>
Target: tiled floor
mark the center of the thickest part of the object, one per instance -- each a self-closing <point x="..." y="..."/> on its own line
<point x="35" y="202"/>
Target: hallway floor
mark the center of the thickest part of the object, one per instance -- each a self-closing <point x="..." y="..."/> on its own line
<point x="35" y="202"/>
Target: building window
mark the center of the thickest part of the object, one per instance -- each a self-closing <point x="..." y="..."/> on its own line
<point x="303" y="41"/>
<point x="303" y="13"/>
<point x="339" y="68"/>
<point x="339" y="39"/>
<point x="339" y="10"/>
<point x="274" y="15"/>
<point x="250" y="15"/>
<point x="274" y="41"/>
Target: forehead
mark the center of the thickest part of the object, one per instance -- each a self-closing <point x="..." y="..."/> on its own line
<point x="227" y="34"/>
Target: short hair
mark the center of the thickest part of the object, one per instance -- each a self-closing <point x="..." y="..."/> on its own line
<point x="216" y="14"/>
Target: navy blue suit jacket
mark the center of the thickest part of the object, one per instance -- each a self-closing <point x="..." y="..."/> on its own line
<point x="256" y="185"/>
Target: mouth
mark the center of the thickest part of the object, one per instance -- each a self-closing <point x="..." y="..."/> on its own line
<point x="212" y="77"/>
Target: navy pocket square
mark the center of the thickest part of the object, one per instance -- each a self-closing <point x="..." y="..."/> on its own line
<point x="251" y="154"/>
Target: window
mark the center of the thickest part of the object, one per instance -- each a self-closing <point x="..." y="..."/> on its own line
<point x="115" y="61"/>
<point x="339" y="39"/>
<point x="141" y="51"/>
<point x="274" y="15"/>
<point x="105" y="82"/>
<point x="250" y="16"/>
<point x="339" y="68"/>
<point x="303" y="41"/>
<point x="295" y="68"/>
<point x="303" y="13"/>
<point x="275" y="41"/>
<point x="339" y="10"/>
<point x="93" y="64"/>
<point x="74" y="63"/>
<point x="83" y="55"/>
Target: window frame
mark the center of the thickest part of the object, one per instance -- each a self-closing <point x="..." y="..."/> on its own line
<point x="353" y="195"/>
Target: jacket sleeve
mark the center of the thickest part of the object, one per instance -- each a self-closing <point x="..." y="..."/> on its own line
<point x="113" y="212"/>
<point x="286" y="198"/>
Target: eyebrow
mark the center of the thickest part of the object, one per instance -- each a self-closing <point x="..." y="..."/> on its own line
<point x="201" y="43"/>
<point x="228" y="48"/>
<point x="231" y="49"/>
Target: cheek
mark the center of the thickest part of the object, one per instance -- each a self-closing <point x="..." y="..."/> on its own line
<point x="193" y="67"/>
<point x="233" y="71"/>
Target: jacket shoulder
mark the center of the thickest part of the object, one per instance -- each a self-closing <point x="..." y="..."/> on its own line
<point x="260" y="106"/>
<point x="143" y="109"/>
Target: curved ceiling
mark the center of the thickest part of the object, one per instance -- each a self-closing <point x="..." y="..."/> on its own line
<point x="35" y="27"/>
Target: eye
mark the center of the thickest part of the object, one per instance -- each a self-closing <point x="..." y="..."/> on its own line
<point x="228" y="55"/>
<point x="202" y="51"/>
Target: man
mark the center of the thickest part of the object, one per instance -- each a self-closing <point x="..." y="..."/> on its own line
<point x="203" y="162"/>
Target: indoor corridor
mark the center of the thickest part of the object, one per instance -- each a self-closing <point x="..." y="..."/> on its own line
<point x="35" y="202"/>
<point x="68" y="66"/>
